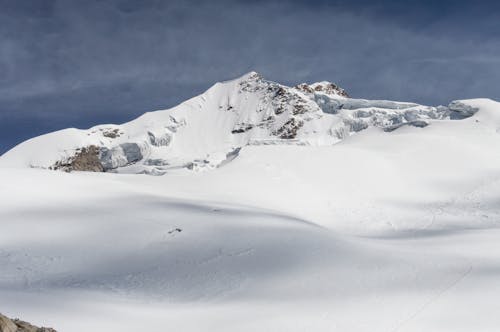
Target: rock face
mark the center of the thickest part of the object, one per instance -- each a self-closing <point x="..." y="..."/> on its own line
<point x="16" y="325"/>
<point x="100" y="159"/>
<point x="200" y="133"/>
<point x="85" y="159"/>
<point x="6" y="325"/>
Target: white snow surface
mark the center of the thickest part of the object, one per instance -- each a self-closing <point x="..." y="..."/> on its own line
<point x="209" y="130"/>
<point x="382" y="231"/>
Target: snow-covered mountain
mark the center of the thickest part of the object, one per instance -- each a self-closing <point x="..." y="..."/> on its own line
<point x="333" y="214"/>
<point x="210" y="129"/>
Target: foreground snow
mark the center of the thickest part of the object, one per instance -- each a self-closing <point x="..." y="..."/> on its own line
<point x="107" y="253"/>
<point x="382" y="232"/>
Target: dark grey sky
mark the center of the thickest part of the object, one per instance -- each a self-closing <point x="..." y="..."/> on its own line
<point x="70" y="63"/>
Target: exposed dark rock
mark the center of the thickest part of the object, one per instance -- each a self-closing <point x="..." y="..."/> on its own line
<point x="304" y="87"/>
<point x="16" y="325"/>
<point x="241" y="128"/>
<point x="175" y="230"/>
<point x="325" y="87"/>
<point x="95" y="159"/>
<point x="299" y="109"/>
<point x="280" y="109"/>
<point x="280" y="91"/>
<point x="289" y="129"/>
<point x="331" y="88"/>
<point x="7" y="325"/>
<point x="111" y="133"/>
<point x="86" y="159"/>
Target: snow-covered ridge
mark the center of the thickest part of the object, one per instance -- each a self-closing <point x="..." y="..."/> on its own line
<point x="210" y="129"/>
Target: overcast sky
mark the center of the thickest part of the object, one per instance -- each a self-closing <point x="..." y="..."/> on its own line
<point x="70" y="63"/>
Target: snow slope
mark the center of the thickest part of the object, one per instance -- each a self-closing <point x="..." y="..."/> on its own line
<point x="209" y="130"/>
<point x="382" y="231"/>
<point x="104" y="252"/>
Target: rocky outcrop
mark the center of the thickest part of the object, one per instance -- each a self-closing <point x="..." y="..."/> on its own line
<point x="289" y="129"/>
<point x="95" y="159"/>
<point x="111" y="133"/>
<point x="85" y="159"/>
<point x="7" y="325"/>
<point x="16" y="325"/>
<point x="241" y="128"/>
<point x="327" y="88"/>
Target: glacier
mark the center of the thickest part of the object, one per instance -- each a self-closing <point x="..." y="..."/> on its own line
<point x="199" y="133"/>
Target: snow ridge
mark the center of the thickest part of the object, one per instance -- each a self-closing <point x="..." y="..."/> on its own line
<point x="210" y="129"/>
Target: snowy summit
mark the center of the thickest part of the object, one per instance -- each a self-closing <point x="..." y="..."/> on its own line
<point x="210" y="129"/>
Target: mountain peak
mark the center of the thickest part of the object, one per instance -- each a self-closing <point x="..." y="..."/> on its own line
<point x="250" y="76"/>
<point x="209" y="130"/>
<point x="323" y="87"/>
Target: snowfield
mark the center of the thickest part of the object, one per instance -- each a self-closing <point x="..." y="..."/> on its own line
<point x="386" y="230"/>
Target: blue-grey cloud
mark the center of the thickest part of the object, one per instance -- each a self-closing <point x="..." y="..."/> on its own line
<point x="79" y="63"/>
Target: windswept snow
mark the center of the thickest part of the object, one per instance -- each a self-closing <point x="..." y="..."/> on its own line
<point x="388" y="229"/>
